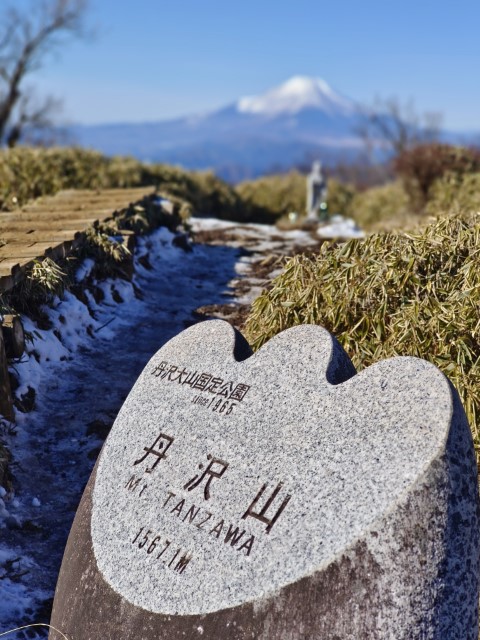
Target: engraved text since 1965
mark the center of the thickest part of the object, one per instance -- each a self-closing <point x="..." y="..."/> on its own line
<point x="221" y="395"/>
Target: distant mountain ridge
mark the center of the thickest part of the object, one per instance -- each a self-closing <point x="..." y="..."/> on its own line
<point x="302" y="119"/>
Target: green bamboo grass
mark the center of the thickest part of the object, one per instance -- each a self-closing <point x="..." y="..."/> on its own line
<point x="412" y="294"/>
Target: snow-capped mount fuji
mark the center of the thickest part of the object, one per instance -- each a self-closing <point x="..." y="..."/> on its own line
<point x="301" y="119"/>
<point x="297" y="94"/>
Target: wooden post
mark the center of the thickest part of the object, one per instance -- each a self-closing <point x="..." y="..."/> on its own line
<point x="6" y="401"/>
<point x="13" y="336"/>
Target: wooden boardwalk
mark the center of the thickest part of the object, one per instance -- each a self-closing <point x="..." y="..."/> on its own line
<point x="53" y="226"/>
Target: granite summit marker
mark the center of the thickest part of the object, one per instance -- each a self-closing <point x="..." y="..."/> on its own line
<point x="277" y="496"/>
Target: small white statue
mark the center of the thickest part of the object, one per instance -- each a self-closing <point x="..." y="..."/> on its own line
<point x="316" y="193"/>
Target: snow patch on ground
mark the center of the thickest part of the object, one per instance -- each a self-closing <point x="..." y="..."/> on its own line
<point x="74" y="323"/>
<point x="15" y="599"/>
<point x="269" y="236"/>
<point x="84" y="270"/>
<point x="340" y="227"/>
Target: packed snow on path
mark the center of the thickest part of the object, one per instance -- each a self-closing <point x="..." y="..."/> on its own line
<point x="82" y="371"/>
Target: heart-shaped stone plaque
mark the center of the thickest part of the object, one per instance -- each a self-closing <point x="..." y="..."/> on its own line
<point x="279" y="495"/>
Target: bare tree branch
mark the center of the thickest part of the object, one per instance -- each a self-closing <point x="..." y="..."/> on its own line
<point x="396" y="126"/>
<point x="32" y="117"/>
<point x="25" y="42"/>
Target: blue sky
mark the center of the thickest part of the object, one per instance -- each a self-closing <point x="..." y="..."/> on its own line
<point x="155" y="59"/>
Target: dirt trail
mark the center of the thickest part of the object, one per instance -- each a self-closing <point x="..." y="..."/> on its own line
<point x="264" y="251"/>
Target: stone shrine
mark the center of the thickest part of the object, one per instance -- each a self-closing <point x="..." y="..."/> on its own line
<point x="277" y="496"/>
<point x="316" y="194"/>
